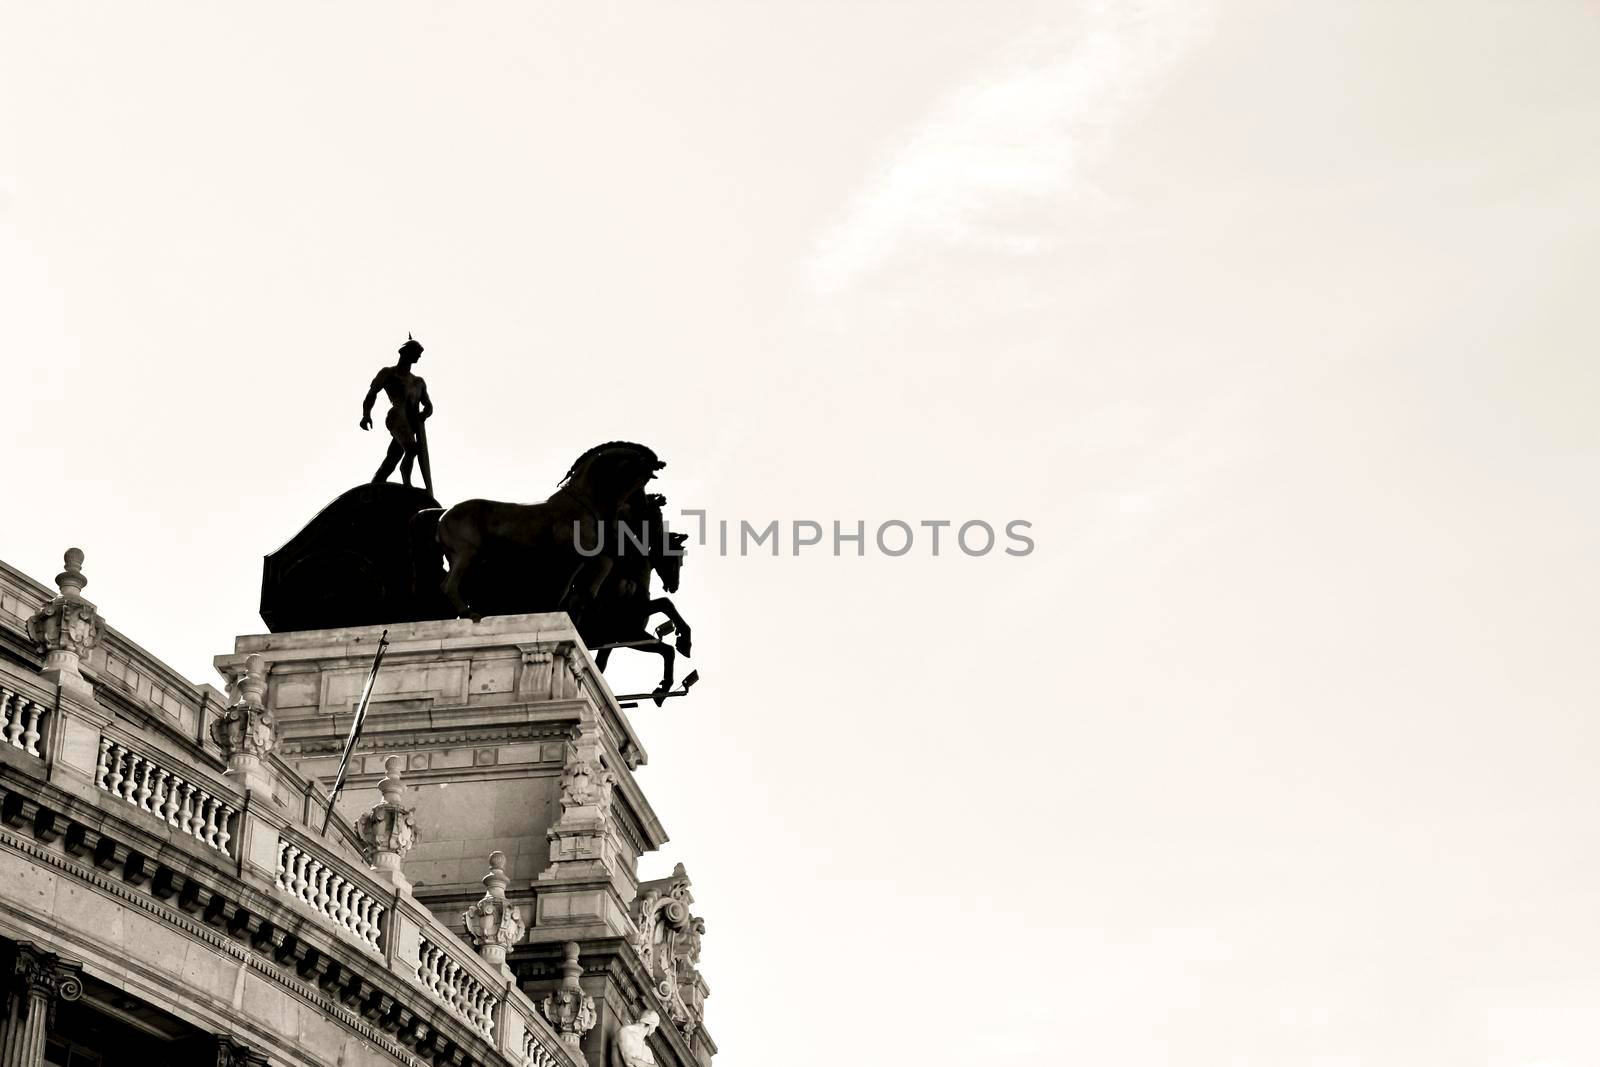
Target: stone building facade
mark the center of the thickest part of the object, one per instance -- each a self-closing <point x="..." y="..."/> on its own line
<point x="169" y="894"/>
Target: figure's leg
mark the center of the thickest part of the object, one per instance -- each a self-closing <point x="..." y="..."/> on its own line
<point x="386" y="468"/>
<point x="666" y="607"/>
<point x="406" y="463"/>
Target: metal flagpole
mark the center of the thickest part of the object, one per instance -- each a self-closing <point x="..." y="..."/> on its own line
<point x="355" y="730"/>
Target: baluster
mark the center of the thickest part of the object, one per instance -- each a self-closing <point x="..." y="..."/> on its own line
<point x="186" y="815"/>
<point x="375" y="927"/>
<point x="5" y="707"/>
<point x="144" y="786"/>
<point x="308" y="892"/>
<point x="357" y="923"/>
<point x="321" y="901"/>
<point x="429" y="969"/>
<point x="452" y="991"/>
<point x="114" y="777"/>
<point x="158" y="792"/>
<point x="223" y="833"/>
<point x="103" y="766"/>
<point x="130" y="781"/>
<point x="302" y="865"/>
<point x="14" y="719"/>
<point x="207" y="830"/>
<point x="283" y="862"/>
<point x="169" y="810"/>
<point x="294" y="878"/>
<point x="364" y="925"/>
<point x="202" y="801"/>
<point x="30" y="733"/>
<point x="341" y="901"/>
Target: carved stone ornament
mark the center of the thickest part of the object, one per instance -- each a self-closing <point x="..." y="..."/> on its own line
<point x="39" y="977"/>
<point x="389" y="829"/>
<point x="582" y="786"/>
<point x="231" y="1053"/>
<point x="67" y="628"/>
<point x="492" y="922"/>
<point x="668" y="944"/>
<point x="570" y="1010"/>
<point x="247" y="727"/>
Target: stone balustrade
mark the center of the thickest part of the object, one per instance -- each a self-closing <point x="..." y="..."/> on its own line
<point x="330" y="894"/>
<point x="200" y="811"/>
<point x="451" y="983"/>
<point x="21" y="721"/>
<point x="534" y="1054"/>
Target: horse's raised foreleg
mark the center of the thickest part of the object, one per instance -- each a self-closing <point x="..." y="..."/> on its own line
<point x="666" y="607"/>
<point x="664" y="650"/>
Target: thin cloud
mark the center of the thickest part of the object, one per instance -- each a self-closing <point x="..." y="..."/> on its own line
<point x="976" y="170"/>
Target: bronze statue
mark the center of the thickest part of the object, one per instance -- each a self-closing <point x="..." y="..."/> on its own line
<point x="622" y="609"/>
<point x="408" y="411"/>
<point x="537" y="545"/>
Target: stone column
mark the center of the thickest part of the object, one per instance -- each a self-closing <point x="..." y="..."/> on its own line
<point x="67" y="629"/>
<point x="246" y="733"/>
<point x="492" y="922"/>
<point x="37" y="980"/>
<point x="569" y="1009"/>
<point x="389" y="828"/>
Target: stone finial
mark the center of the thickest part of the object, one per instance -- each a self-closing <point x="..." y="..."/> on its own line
<point x="245" y="732"/>
<point x="67" y="628"/>
<point x="569" y="1009"/>
<point x="492" y="922"/>
<point x="388" y="829"/>
<point x="71" y="581"/>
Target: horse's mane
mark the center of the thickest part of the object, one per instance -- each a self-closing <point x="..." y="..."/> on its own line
<point x="597" y="449"/>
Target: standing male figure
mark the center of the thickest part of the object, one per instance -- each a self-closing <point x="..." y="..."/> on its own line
<point x="409" y="406"/>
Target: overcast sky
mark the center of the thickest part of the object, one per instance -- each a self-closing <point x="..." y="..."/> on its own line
<point x="1277" y="321"/>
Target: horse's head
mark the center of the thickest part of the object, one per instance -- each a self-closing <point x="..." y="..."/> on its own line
<point x="669" y="563"/>
<point x="643" y="515"/>
<point x="610" y="473"/>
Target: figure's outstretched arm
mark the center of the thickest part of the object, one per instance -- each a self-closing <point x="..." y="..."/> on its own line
<point x="366" y="405"/>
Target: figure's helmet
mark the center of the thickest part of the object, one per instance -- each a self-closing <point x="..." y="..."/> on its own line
<point x="412" y="348"/>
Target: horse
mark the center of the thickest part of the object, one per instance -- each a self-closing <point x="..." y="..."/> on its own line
<point x="623" y="606"/>
<point x="541" y="541"/>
